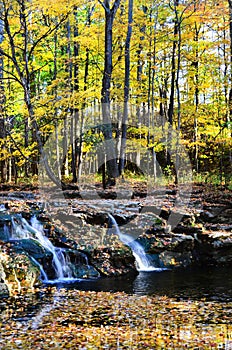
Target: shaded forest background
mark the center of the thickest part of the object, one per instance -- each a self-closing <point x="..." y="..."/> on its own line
<point x="65" y="65"/>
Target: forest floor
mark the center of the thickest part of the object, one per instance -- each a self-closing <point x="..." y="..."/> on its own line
<point x="215" y="201"/>
<point x="139" y="189"/>
<point x="198" y="193"/>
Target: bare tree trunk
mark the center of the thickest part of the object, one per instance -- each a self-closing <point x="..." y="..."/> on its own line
<point x="111" y="163"/>
<point x="76" y="112"/>
<point x="196" y="73"/>
<point x="126" y="89"/>
<point x="229" y="118"/>
<point x="57" y="151"/>
<point x="153" y="73"/>
<point x="230" y="19"/>
<point x="177" y="165"/>
<point x="27" y="79"/>
<point x="79" y="144"/>
<point x="70" y="71"/>
<point x="65" y="168"/>
<point x="139" y="79"/>
<point x="58" y="160"/>
<point x="173" y="70"/>
<point x="3" y="163"/>
<point x="173" y="81"/>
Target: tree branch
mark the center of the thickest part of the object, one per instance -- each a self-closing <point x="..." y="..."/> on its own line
<point x="18" y="148"/>
<point x="49" y="31"/>
<point x="13" y="76"/>
<point x="104" y="6"/>
<point x="115" y="7"/>
<point x="12" y="57"/>
<point x="3" y="53"/>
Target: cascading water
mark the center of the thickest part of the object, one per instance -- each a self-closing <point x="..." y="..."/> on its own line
<point x="22" y="229"/>
<point x="142" y="261"/>
<point x="61" y="263"/>
<point x="42" y="272"/>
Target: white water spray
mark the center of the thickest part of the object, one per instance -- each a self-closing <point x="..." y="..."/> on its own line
<point x="22" y="229"/>
<point x="142" y="261"/>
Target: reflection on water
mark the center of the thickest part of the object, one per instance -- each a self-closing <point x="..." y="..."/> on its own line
<point x="192" y="284"/>
<point x="209" y="283"/>
<point x="185" y="322"/>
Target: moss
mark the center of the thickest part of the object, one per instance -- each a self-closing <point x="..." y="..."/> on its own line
<point x="18" y="272"/>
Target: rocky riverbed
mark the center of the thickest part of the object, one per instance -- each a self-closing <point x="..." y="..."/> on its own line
<point x="173" y="232"/>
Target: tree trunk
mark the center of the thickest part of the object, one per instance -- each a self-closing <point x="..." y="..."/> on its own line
<point x="126" y="88"/>
<point x="76" y="112"/>
<point x="173" y="70"/>
<point x="196" y="95"/>
<point x="230" y="19"/>
<point x="58" y="160"/>
<point x="57" y="151"/>
<point x="173" y="80"/>
<point x="229" y="118"/>
<point x="65" y="168"/>
<point x="177" y="165"/>
<point x="111" y="160"/>
<point x="3" y="164"/>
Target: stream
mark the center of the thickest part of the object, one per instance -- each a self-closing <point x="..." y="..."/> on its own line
<point x="187" y="307"/>
<point x="69" y="314"/>
<point x="209" y="283"/>
<point x="193" y="308"/>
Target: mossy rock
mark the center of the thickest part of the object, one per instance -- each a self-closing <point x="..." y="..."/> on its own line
<point x="3" y="290"/>
<point x="18" y="272"/>
<point x="31" y="247"/>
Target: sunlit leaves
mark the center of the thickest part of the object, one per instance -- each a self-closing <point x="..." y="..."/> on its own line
<point x="59" y="48"/>
<point x="77" y="320"/>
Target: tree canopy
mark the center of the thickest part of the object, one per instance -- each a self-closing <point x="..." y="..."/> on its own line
<point x="168" y="64"/>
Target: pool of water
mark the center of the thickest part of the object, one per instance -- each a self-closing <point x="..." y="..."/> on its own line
<point x="210" y="283"/>
<point x="205" y="284"/>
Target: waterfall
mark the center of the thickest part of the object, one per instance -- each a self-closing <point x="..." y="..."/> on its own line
<point x="42" y="272"/>
<point x="6" y="232"/>
<point x="21" y="229"/>
<point x="142" y="261"/>
<point x="60" y="263"/>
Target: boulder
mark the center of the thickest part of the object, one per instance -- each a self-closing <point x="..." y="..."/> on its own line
<point x="214" y="248"/>
<point x="113" y="262"/>
<point x="31" y="247"/>
<point x="17" y="271"/>
<point x="170" y="259"/>
<point x="3" y="290"/>
<point x="167" y="242"/>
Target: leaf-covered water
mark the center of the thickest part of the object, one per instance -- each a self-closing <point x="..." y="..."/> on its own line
<point x="61" y="318"/>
